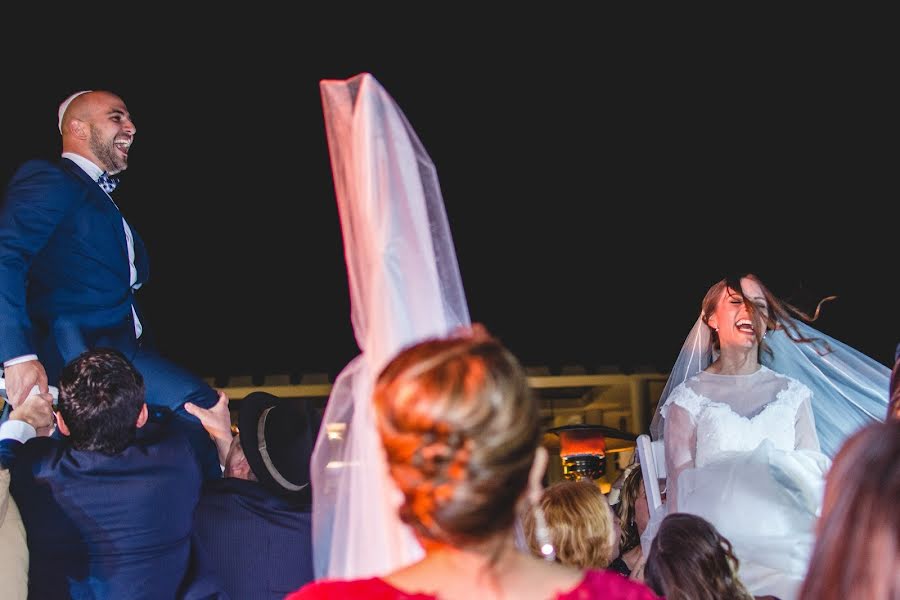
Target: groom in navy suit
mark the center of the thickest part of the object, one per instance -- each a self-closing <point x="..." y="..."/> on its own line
<point x="70" y="265"/>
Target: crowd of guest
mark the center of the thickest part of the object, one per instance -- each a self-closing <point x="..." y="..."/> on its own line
<point x="114" y="504"/>
<point x="105" y="502"/>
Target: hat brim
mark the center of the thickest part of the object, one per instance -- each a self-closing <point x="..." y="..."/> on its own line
<point x="251" y="410"/>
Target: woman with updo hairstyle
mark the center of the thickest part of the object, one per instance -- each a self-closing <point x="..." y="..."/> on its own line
<point x="461" y="434"/>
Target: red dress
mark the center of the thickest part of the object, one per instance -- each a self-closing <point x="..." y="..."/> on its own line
<point x="596" y="585"/>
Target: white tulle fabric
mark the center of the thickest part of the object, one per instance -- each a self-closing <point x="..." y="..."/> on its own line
<point x="405" y="286"/>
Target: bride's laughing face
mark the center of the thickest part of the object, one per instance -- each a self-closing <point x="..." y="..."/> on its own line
<point x="735" y="323"/>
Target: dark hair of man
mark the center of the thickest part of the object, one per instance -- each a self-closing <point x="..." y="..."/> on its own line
<point x="100" y="398"/>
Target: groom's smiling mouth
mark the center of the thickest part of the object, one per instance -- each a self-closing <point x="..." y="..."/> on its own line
<point x="123" y="145"/>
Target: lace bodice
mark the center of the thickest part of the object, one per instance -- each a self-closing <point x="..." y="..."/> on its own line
<point x="735" y="413"/>
<point x="721" y="430"/>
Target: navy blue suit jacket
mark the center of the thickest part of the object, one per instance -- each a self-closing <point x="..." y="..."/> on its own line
<point x="257" y="542"/>
<point x="64" y="268"/>
<point x="65" y="288"/>
<point x="103" y="526"/>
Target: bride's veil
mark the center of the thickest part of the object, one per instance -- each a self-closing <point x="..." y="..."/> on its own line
<point x="405" y="286"/>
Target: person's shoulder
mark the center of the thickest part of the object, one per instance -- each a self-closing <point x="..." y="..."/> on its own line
<point x="792" y="388"/>
<point x="684" y="396"/>
<point x="37" y="448"/>
<point x="41" y="173"/>
<point x="164" y="440"/>
<point x="37" y="167"/>
<point x="610" y="585"/>
<point x="34" y="458"/>
<point x="372" y="588"/>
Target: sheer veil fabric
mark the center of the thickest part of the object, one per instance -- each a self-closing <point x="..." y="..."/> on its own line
<point x="849" y="389"/>
<point x="405" y="286"/>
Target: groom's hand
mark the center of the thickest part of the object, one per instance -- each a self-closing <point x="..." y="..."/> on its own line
<point x="21" y="378"/>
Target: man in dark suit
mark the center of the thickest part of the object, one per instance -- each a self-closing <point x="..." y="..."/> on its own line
<point x="108" y="506"/>
<point x="70" y="265"/>
<point x="253" y="527"/>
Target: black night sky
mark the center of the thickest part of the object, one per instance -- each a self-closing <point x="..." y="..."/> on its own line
<point x="594" y="189"/>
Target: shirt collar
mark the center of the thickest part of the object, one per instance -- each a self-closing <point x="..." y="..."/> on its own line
<point x="86" y="165"/>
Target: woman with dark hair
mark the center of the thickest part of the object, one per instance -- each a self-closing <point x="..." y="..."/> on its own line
<point x="755" y="405"/>
<point x="690" y="560"/>
<point x="857" y="551"/>
<point x="461" y="433"/>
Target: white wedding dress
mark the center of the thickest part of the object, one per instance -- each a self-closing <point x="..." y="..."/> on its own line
<point x="742" y="452"/>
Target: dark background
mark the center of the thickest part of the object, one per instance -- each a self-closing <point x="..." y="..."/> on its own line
<point x="596" y="185"/>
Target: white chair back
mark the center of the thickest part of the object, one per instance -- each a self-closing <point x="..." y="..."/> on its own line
<point x="653" y="469"/>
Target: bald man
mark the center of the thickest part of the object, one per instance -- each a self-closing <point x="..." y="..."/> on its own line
<point x="70" y="265"/>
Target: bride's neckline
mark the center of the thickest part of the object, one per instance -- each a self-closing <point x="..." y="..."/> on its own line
<point x="761" y="369"/>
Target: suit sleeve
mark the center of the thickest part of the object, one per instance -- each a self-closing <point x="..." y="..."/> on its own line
<point x="8" y="449"/>
<point x="37" y="199"/>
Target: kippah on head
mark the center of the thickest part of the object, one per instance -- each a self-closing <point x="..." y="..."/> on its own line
<point x="65" y="104"/>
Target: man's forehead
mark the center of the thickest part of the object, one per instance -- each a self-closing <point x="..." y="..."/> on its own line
<point x="109" y="103"/>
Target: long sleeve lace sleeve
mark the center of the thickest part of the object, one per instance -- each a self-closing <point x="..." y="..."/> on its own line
<point x="805" y="427"/>
<point x="680" y="435"/>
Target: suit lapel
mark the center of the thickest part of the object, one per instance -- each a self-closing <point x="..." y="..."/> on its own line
<point x="100" y="199"/>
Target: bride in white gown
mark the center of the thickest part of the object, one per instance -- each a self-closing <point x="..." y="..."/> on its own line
<point x="741" y="441"/>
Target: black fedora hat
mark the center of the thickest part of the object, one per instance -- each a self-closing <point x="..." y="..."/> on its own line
<point x="278" y="435"/>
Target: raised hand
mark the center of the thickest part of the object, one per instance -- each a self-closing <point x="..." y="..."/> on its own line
<point x="216" y="420"/>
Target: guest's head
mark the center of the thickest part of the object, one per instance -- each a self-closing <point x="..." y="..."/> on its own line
<point x="461" y="432"/>
<point x="274" y="445"/>
<point x="580" y="525"/>
<point x="857" y="546"/>
<point x="690" y="560"/>
<point x="632" y="510"/>
<point x="101" y="401"/>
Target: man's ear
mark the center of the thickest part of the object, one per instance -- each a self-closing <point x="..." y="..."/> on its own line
<point x="61" y="424"/>
<point x="78" y="128"/>
<point x="142" y="416"/>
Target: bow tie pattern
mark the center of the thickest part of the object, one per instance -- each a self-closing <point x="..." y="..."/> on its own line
<point x="107" y="183"/>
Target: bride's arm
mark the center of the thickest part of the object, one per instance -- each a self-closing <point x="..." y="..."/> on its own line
<point x="680" y="435"/>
